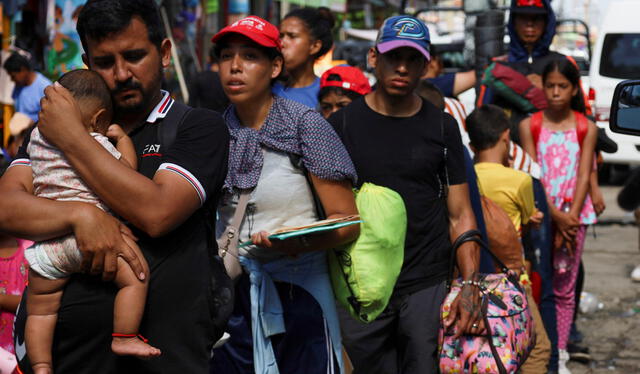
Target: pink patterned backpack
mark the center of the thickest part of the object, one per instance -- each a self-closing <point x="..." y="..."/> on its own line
<point x="509" y="325"/>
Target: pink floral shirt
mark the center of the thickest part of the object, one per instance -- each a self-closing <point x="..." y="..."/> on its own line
<point x="13" y="279"/>
<point x="559" y="158"/>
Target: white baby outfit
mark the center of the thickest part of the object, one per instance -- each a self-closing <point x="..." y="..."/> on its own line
<point x="55" y="179"/>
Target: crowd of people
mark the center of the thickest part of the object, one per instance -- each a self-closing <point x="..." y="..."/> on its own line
<point x="120" y="197"/>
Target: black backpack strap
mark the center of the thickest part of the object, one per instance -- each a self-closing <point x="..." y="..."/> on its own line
<point x="296" y="161"/>
<point x="443" y="176"/>
<point x="168" y="127"/>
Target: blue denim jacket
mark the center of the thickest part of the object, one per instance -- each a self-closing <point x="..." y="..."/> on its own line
<point x="309" y="271"/>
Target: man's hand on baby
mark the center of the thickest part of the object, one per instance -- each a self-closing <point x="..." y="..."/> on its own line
<point x="102" y="239"/>
<point x="115" y="133"/>
<point x="59" y="116"/>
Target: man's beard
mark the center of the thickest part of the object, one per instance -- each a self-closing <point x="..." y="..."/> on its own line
<point x="142" y="105"/>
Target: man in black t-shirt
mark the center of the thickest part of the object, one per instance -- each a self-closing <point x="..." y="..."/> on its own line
<point x="206" y="90"/>
<point x="398" y="140"/>
<point x="166" y="203"/>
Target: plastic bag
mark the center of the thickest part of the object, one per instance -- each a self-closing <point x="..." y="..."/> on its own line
<point x="364" y="272"/>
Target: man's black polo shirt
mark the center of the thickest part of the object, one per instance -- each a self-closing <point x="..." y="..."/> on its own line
<point x="178" y="315"/>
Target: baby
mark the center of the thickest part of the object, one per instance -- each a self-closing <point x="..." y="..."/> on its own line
<point x="53" y="261"/>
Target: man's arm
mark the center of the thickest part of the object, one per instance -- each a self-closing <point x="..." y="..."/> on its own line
<point x="26" y="216"/>
<point x="155" y="206"/>
<point x="465" y="309"/>
<point x="463" y="81"/>
<point x="23" y="215"/>
<point x="461" y="220"/>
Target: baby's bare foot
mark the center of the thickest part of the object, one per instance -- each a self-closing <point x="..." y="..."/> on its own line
<point x="42" y="369"/>
<point x="132" y="346"/>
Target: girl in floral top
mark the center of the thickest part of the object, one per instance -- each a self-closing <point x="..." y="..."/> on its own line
<point x="13" y="278"/>
<point x="563" y="142"/>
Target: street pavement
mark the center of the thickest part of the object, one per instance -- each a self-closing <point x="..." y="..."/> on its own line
<point x="612" y="333"/>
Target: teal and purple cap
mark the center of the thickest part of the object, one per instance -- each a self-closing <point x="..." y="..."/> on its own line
<point x="404" y="31"/>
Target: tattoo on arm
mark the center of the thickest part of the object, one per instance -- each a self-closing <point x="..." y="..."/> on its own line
<point x="467" y="300"/>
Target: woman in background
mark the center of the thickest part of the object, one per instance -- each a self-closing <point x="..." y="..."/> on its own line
<point x="306" y="36"/>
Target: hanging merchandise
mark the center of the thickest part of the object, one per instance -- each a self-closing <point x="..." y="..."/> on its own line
<point x="238" y="6"/>
<point x="339" y="6"/>
<point x="211" y="6"/>
<point x="65" y="49"/>
<point x="6" y="84"/>
<point x="12" y="7"/>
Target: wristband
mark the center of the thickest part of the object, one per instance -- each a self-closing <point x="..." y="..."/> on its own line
<point x="470" y="283"/>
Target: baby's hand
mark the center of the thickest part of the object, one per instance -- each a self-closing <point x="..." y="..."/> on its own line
<point x="115" y="133"/>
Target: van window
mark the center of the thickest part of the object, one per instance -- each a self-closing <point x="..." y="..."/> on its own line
<point x="620" y="56"/>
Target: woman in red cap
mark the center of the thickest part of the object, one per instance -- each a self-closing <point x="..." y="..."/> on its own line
<point x="339" y="86"/>
<point x="284" y="318"/>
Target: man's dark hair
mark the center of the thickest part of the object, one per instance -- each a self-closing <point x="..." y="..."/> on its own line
<point x="100" y="19"/>
<point x="430" y="92"/>
<point x="324" y="91"/>
<point x="87" y="84"/>
<point x="485" y="125"/>
<point x="16" y="62"/>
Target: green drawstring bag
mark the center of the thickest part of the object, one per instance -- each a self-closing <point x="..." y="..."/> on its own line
<point x="365" y="271"/>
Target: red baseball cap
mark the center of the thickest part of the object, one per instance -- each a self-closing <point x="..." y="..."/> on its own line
<point x="254" y="28"/>
<point x="529" y="7"/>
<point x="351" y="79"/>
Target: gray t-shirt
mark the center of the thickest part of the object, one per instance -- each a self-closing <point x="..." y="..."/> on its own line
<point x="281" y="198"/>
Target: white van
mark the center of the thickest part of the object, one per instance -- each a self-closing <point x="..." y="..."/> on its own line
<point x="616" y="57"/>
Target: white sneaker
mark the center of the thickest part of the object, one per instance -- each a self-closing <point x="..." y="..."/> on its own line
<point x="562" y="362"/>
<point x="635" y="274"/>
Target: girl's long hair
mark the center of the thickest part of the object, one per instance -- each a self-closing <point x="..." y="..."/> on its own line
<point x="569" y="71"/>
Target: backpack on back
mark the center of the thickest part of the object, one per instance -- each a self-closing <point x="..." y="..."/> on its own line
<point x="512" y="86"/>
<point x="502" y="234"/>
<point x="582" y="127"/>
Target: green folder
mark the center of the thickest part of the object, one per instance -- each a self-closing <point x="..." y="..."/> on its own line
<point x="307" y="231"/>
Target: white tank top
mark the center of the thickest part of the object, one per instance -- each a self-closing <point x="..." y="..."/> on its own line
<point x="282" y="197"/>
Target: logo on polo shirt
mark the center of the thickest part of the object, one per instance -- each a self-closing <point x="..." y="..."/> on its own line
<point x="151" y="150"/>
